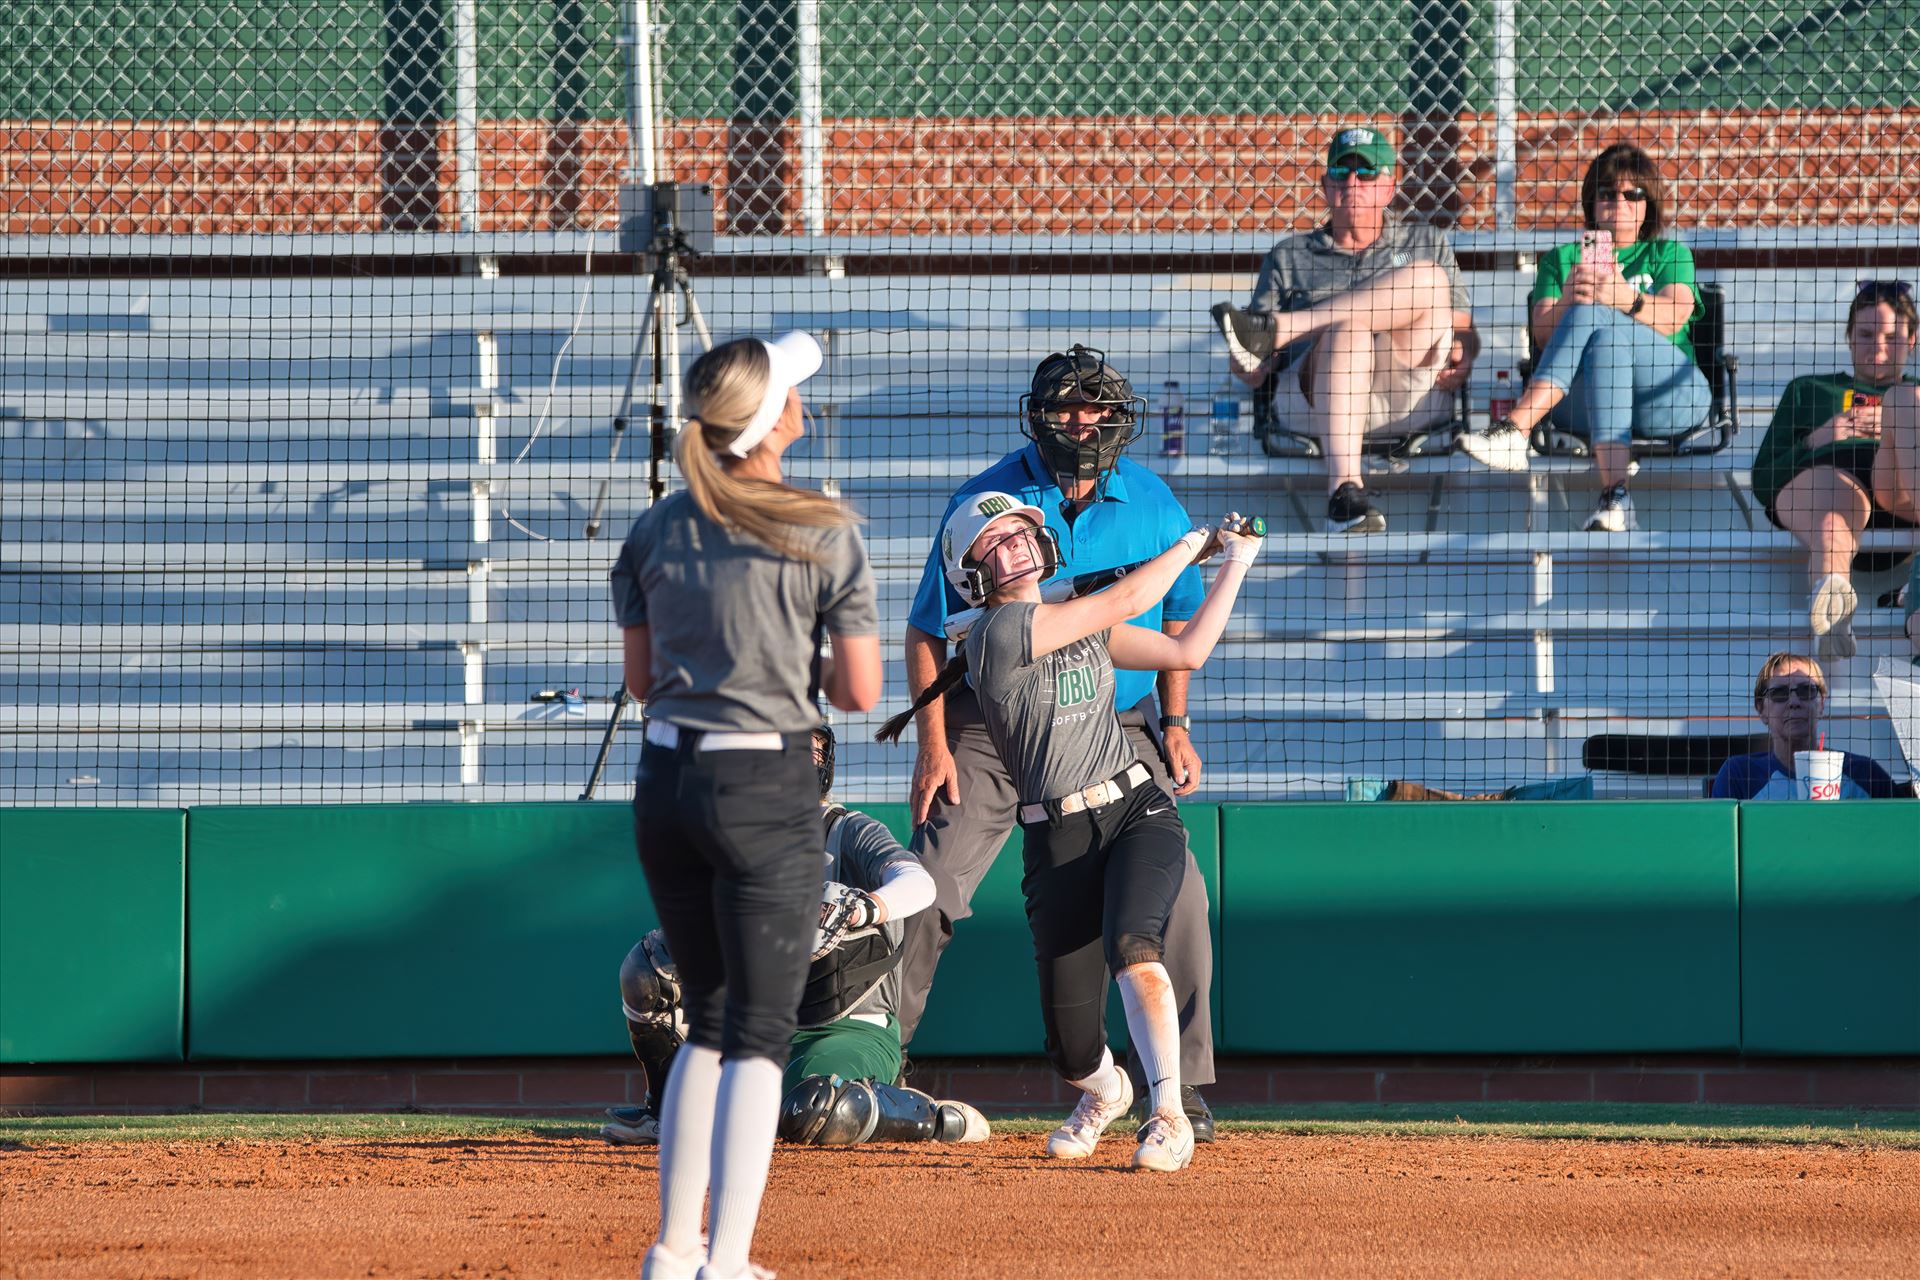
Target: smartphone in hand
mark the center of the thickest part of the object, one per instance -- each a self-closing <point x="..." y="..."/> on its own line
<point x="1596" y="247"/>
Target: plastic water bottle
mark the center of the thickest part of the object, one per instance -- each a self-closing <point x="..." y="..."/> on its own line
<point x="1500" y="403"/>
<point x="1224" y="422"/>
<point x="1173" y="420"/>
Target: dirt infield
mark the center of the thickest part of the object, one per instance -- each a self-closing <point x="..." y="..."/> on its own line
<point x="1255" y="1204"/>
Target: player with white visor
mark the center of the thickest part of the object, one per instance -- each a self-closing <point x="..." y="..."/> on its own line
<point x="723" y="592"/>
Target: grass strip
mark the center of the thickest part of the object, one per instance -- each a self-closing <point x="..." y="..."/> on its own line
<point x="1619" y="1122"/>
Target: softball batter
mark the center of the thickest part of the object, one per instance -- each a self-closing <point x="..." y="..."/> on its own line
<point x="723" y="592"/>
<point x="1104" y="848"/>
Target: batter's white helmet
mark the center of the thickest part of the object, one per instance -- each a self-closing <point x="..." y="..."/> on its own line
<point x="975" y="512"/>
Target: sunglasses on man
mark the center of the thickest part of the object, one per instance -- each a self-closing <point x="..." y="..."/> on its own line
<point x="1342" y="172"/>
<point x="1779" y="693"/>
<point x="1632" y="195"/>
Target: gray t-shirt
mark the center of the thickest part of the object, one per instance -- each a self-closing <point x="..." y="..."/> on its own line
<point x="861" y="852"/>
<point x="734" y="626"/>
<point x="1306" y="269"/>
<point x="1051" y="719"/>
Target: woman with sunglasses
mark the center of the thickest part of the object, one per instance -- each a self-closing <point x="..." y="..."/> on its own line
<point x="723" y="592"/>
<point x="1614" y="336"/>
<point x="1103" y="848"/>
<point x="1819" y="472"/>
<point x="1789" y="695"/>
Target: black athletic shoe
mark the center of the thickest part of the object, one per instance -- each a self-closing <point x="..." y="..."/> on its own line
<point x="1249" y="335"/>
<point x="1349" y="511"/>
<point x="1198" y="1113"/>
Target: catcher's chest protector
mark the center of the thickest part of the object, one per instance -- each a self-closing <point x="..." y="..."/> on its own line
<point x="838" y="981"/>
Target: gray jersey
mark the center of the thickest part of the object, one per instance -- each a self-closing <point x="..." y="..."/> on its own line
<point x="1306" y="269"/>
<point x="861" y="852"/>
<point x="1051" y="719"/>
<point x="734" y="626"/>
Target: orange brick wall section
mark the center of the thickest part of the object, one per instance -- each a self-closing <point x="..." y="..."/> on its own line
<point x="1173" y="174"/>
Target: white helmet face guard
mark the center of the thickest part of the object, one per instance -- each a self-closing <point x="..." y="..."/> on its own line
<point x="964" y="526"/>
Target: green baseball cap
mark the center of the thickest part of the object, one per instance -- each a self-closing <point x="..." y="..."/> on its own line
<point x="1369" y="144"/>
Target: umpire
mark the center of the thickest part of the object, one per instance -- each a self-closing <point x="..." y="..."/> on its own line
<point x="723" y="593"/>
<point x="1107" y="511"/>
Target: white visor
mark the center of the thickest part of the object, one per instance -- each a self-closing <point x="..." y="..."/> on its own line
<point x="792" y="358"/>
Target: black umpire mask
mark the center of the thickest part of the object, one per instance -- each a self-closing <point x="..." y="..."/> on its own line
<point x="1066" y="385"/>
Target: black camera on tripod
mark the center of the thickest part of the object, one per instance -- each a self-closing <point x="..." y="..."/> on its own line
<point x="666" y="219"/>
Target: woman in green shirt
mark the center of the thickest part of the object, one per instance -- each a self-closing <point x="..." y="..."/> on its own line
<point x="1615" y="337"/>
<point x="1821" y="471"/>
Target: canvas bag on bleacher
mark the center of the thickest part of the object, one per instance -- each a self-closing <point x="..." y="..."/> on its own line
<point x="1899" y="684"/>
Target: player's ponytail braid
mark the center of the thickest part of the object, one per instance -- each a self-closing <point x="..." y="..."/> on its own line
<point x="724" y="387"/>
<point x="950" y="675"/>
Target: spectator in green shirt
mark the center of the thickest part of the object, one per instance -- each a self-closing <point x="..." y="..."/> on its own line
<point x="1822" y="472"/>
<point x="1615" y="337"/>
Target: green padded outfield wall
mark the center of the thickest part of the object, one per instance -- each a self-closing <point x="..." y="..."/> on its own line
<point x="986" y="999"/>
<point x="442" y="930"/>
<point x="90" y="934"/>
<point x="378" y="931"/>
<point x="1480" y="928"/>
<point x="1830" y="928"/>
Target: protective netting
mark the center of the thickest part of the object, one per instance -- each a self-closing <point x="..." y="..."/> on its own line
<point x="318" y="322"/>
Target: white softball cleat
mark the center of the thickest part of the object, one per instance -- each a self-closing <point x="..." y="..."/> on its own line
<point x="662" y="1263"/>
<point x="1074" y="1140"/>
<point x="1166" y="1143"/>
<point x="754" y="1271"/>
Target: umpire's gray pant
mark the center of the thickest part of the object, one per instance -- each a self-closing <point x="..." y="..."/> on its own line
<point x="957" y="844"/>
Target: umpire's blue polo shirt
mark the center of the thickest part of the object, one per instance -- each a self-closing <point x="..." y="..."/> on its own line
<point x="1137" y="520"/>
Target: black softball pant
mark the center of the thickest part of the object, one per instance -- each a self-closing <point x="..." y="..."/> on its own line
<point x="730" y="844"/>
<point x="1100" y="885"/>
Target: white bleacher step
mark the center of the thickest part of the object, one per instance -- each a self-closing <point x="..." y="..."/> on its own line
<point x="1269" y="640"/>
<point x="1208" y="709"/>
<point x="327" y="717"/>
<point x="907" y="554"/>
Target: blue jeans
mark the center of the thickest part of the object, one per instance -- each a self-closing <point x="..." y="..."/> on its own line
<point x="1623" y="379"/>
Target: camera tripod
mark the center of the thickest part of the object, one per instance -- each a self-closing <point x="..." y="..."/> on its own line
<point x="657" y="348"/>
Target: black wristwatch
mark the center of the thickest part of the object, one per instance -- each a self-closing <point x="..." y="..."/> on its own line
<point x="1176" y="722"/>
<point x="1639" y="301"/>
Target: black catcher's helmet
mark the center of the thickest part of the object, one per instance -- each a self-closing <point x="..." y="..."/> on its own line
<point x="1071" y="380"/>
<point x="823" y="757"/>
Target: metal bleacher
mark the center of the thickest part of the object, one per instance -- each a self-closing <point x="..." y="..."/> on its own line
<point x="273" y="539"/>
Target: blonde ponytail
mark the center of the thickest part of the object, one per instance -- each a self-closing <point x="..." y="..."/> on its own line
<point x="724" y="388"/>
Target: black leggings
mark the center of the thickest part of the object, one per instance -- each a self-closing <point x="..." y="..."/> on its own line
<point x="1100" y="885"/>
<point x="730" y="844"/>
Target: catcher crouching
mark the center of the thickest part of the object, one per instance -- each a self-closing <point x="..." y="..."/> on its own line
<point x="847" y="1049"/>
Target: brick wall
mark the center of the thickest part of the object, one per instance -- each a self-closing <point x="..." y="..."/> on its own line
<point x="1173" y="174"/>
<point x="585" y="1085"/>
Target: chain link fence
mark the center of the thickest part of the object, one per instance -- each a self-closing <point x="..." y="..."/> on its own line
<point x="319" y="330"/>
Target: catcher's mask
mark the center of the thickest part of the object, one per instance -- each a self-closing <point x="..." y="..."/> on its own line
<point x="1072" y="380"/>
<point x="973" y="580"/>
<point x="823" y="758"/>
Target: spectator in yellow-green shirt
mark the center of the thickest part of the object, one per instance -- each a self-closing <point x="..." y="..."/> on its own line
<point x="1821" y="471"/>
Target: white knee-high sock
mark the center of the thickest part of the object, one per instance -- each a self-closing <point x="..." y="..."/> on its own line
<point x="686" y="1138"/>
<point x="1106" y="1081"/>
<point x="745" y="1114"/>
<point x="1153" y="1021"/>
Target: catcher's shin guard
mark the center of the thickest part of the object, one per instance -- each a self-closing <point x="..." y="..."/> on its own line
<point x="826" y="1111"/>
